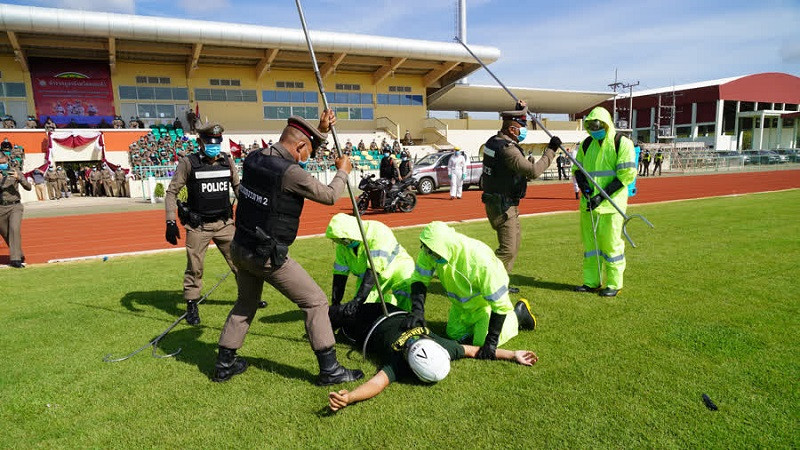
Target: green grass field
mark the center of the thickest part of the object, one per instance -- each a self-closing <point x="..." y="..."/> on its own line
<point x="710" y="305"/>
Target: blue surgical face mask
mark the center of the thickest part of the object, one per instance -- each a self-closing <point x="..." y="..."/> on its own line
<point x="4" y="166"/>
<point x="523" y="132"/>
<point x="599" y="134"/>
<point x="212" y="150"/>
<point x="405" y="159"/>
<point x="353" y="244"/>
<point x="304" y="163"/>
<point x="386" y="154"/>
<point x="440" y="261"/>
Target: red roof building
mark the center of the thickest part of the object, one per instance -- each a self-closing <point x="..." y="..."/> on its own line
<point x="758" y="111"/>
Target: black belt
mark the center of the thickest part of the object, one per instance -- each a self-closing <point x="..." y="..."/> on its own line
<point x="213" y="219"/>
<point x="5" y="203"/>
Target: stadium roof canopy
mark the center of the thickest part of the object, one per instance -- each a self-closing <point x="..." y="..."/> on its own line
<point x="62" y="33"/>
<point x="463" y="97"/>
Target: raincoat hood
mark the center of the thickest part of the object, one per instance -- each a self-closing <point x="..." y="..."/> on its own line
<point x="440" y="238"/>
<point x="344" y="226"/>
<point x="602" y="115"/>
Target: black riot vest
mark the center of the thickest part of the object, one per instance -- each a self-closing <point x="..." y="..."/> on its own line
<point x="405" y="168"/>
<point x="209" y="187"/>
<point x="497" y="178"/>
<point x="263" y="204"/>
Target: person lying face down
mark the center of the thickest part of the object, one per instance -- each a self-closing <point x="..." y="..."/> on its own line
<point x="402" y="354"/>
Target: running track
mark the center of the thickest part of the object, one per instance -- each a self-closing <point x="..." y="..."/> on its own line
<point x="50" y="238"/>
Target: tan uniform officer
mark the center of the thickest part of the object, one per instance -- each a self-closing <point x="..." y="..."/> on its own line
<point x="94" y="180"/>
<point x="505" y="172"/>
<point x="122" y="182"/>
<point x="63" y="182"/>
<point x="274" y="187"/>
<point x="107" y="177"/>
<point x="11" y="210"/>
<point x="51" y="178"/>
<point x="207" y="214"/>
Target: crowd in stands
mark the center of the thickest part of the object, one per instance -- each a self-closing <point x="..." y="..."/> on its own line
<point x="15" y="153"/>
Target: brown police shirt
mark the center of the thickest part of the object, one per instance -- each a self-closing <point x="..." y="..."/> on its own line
<point x="518" y="163"/>
<point x="298" y="181"/>
<point x="9" y="185"/>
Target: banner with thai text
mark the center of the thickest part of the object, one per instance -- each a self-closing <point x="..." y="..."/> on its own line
<point x="73" y="93"/>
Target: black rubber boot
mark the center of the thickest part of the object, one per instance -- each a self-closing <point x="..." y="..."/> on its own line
<point x="513" y="290"/>
<point x="608" y="292"/>
<point x="16" y="263"/>
<point x="228" y="365"/>
<point x="331" y="372"/>
<point x="585" y="288"/>
<point x="262" y="304"/>
<point x="192" y="313"/>
<point x="526" y="319"/>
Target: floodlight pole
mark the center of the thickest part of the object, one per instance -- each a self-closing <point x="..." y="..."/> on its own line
<point x="339" y="154"/>
<point x="569" y="155"/>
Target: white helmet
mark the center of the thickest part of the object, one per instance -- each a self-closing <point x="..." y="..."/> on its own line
<point x="429" y="361"/>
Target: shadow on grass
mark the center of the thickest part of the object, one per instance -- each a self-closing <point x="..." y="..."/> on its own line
<point x="171" y="302"/>
<point x="294" y="315"/>
<point x="523" y="280"/>
<point x="204" y="356"/>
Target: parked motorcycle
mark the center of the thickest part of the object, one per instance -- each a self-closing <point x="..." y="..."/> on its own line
<point x="397" y="197"/>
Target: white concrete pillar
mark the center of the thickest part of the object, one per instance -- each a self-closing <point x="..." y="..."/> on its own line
<point x="736" y="127"/>
<point x="718" y="129"/>
<point x="761" y="132"/>
<point x="653" y="128"/>
<point x="635" y="132"/>
<point x="693" y="127"/>
<point x="780" y="131"/>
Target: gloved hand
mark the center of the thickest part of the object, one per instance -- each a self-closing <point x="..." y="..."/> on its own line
<point x="417" y="316"/>
<point x="351" y="308"/>
<point x="610" y="189"/>
<point x="554" y="144"/>
<point x="594" y="202"/>
<point x="173" y="233"/>
<point x="489" y="348"/>
<point x="583" y="184"/>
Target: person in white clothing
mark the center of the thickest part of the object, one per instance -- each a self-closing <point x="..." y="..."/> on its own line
<point x="456" y="167"/>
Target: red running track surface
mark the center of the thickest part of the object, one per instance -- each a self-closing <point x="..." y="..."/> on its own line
<point x="45" y="239"/>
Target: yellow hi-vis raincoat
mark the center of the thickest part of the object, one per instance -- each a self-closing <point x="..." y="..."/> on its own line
<point x="476" y="282"/>
<point x="392" y="263"/>
<point x="604" y="163"/>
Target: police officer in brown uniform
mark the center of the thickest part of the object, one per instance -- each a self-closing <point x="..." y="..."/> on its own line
<point x="107" y="177"/>
<point x="63" y="183"/>
<point x="11" y="210"/>
<point x="51" y="178"/>
<point x="207" y="214"/>
<point x="505" y="172"/>
<point x="94" y="181"/>
<point x="122" y="182"/>
<point x="271" y="197"/>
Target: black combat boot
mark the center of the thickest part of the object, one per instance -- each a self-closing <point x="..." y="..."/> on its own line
<point x="526" y="319"/>
<point x="192" y="313"/>
<point x="331" y="372"/>
<point x="585" y="288"/>
<point x="16" y="263"/>
<point x="228" y="365"/>
<point x="262" y="304"/>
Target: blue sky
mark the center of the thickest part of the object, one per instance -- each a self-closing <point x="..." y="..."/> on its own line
<point x="558" y="45"/>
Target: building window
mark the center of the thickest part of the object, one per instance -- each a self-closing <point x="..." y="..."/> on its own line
<point x="683" y="132"/>
<point x="348" y="87"/>
<point x="706" y="130"/>
<point x="141" y="79"/>
<point x="12" y="90"/>
<point x="353" y="113"/>
<point x="225" y="95"/>
<point x="400" y="99"/>
<point x="152" y="93"/>
<point x="352" y="98"/>
<point x="283" y="112"/>
<point x="289" y="84"/>
<point x="155" y="111"/>
<point x="399" y="88"/>
<point x="224" y="82"/>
